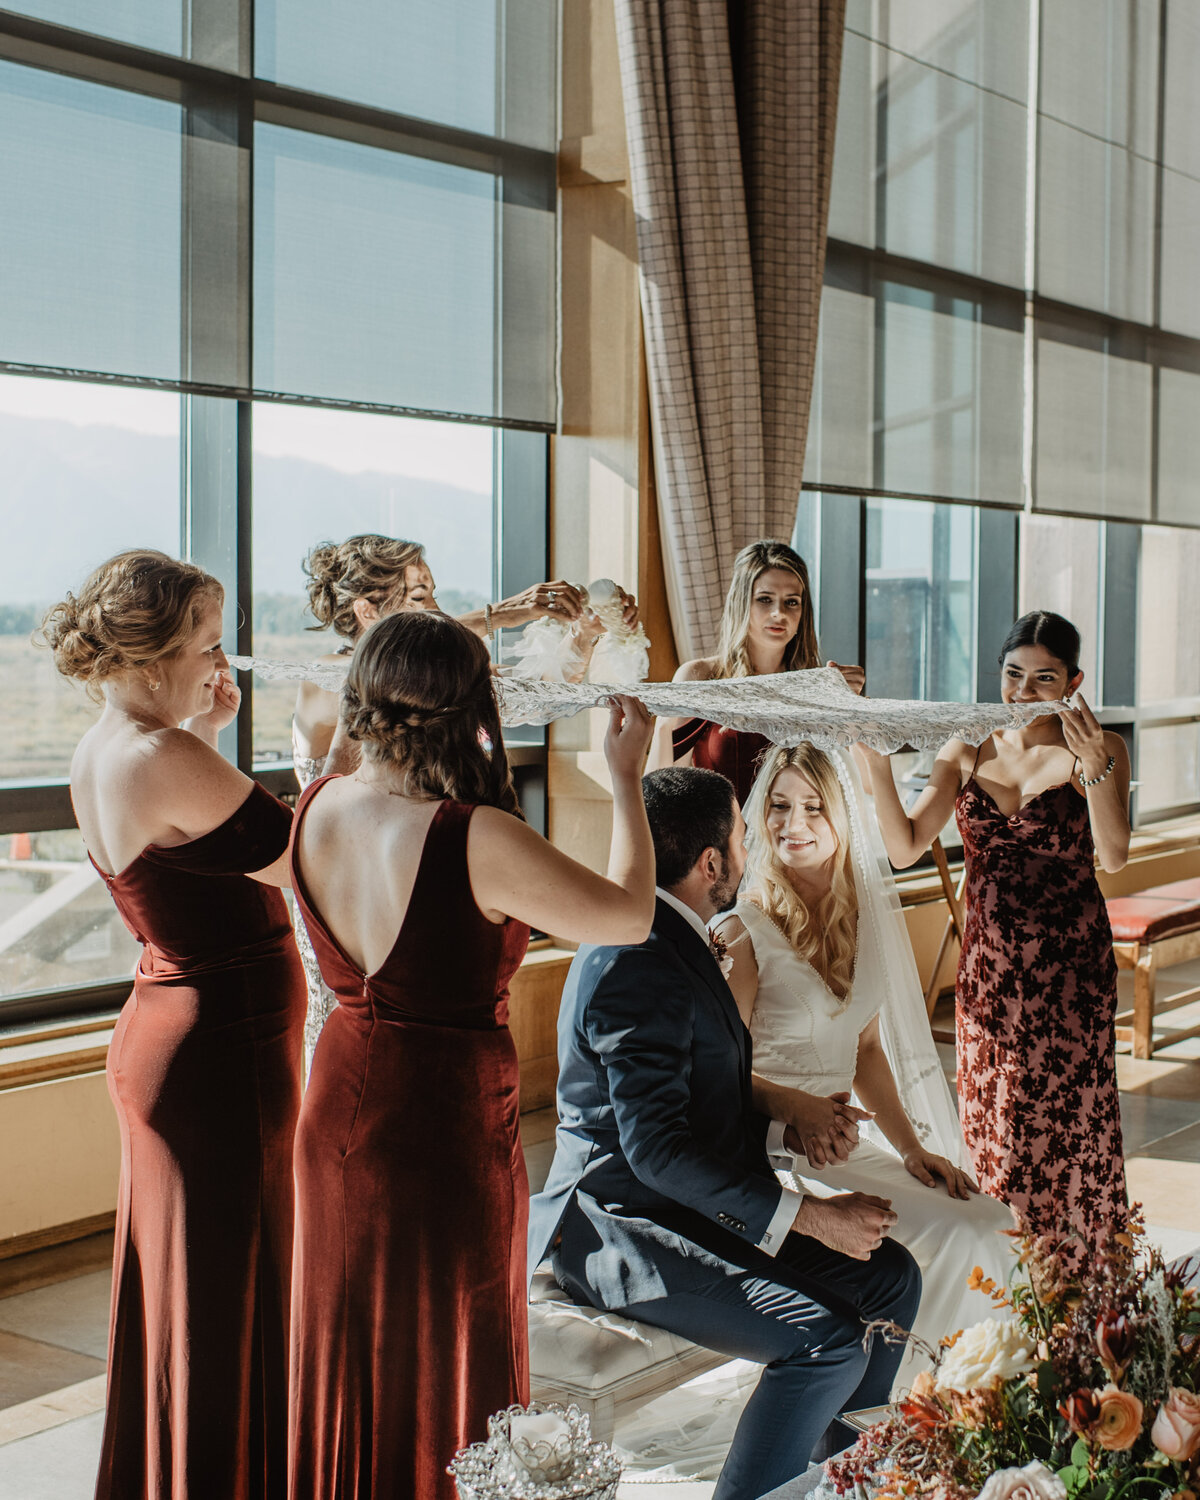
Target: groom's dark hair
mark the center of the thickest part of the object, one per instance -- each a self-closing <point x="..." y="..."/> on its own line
<point x="690" y="810"/>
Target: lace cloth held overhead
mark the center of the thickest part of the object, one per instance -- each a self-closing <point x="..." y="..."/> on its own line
<point x="785" y="707"/>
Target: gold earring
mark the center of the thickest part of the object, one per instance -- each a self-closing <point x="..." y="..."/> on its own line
<point x="154" y="686"/>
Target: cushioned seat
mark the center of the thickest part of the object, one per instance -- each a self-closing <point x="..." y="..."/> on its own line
<point x="603" y="1362"/>
<point x="1155" y="913"/>
<point x="1155" y="927"/>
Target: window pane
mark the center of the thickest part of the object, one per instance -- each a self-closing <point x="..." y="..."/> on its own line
<point x="1180" y="224"/>
<point x="840" y="421"/>
<point x="1095" y="223"/>
<point x="1168" y="768"/>
<point x="96" y="468"/>
<point x="1181" y="119"/>
<point x="426" y="58"/>
<point x="324" y="476"/>
<point x="1168" y="614"/>
<point x="1099" y="68"/>
<point x="375" y="280"/>
<point x="142" y="23"/>
<point x="951" y="399"/>
<point x="928" y="166"/>
<point x="89" y="227"/>
<point x="58" y="925"/>
<point x="1093" y="432"/>
<point x="1060" y="571"/>
<point x="974" y="40"/>
<point x="1178" y="447"/>
<point x="921" y="600"/>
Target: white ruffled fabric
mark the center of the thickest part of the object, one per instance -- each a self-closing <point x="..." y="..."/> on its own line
<point x="785" y="707"/>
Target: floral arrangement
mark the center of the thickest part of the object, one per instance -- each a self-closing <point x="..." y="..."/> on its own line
<point x="1087" y="1387"/>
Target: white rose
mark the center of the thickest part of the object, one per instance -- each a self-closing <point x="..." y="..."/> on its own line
<point x="1033" y="1482"/>
<point x="985" y="1355"/>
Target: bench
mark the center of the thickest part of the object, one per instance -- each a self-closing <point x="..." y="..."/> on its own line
<point x="606" y="1364"/>
<point x="1151" y="930"/>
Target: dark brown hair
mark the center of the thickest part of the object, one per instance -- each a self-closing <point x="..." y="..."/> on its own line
<point x="419" y="697"/>
<point x="369" y="566"/>
<point x="132" y="611"/>
<point x="1054" y="633"/>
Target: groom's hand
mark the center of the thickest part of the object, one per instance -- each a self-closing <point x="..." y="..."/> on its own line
<point x="854" y="1223"/>
<point x="823" y="1130"/>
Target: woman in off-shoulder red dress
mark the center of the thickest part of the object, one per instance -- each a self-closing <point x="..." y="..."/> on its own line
<point x="418" y="886"/>
<point x="204" y="1065"/>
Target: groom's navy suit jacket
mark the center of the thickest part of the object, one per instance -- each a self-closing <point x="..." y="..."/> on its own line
<point x="660" y="1181"/>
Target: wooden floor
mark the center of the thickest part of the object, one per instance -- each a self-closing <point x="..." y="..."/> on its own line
<point x="54" y="1303"/>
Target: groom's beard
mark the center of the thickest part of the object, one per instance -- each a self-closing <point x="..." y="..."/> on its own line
<point x="724" y="890"/>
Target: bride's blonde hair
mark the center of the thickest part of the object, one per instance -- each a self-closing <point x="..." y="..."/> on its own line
<point x="825" y="933"/>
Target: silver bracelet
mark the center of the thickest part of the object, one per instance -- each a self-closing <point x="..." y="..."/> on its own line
<point x="1096" y="780"/>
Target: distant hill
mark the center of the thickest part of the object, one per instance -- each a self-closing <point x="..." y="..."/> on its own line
<point x="71" y="496"/>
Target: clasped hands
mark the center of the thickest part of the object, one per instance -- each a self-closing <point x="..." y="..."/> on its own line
<point x="824" y="1130"/>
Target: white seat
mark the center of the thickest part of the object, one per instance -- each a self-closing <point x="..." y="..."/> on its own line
<point x="608" y="1365"/>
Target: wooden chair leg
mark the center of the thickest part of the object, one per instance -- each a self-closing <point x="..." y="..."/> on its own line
<point x="1144" y="977"/>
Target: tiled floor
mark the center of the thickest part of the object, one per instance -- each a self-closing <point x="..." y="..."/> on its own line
<point x="54" y="1304"/>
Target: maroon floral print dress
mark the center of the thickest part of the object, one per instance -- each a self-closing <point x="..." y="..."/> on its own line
<point x="1037" y="995"/>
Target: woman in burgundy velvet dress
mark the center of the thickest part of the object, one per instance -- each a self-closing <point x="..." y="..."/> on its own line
<point x="204" y="1066"/>
<point x="1037" y="984"/>
<point x="767" y="626"/>
<point x="418" y="883"/>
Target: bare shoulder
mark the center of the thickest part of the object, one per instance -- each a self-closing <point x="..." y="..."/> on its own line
<point x="730" y="927"/>
<point x="496" y="831"/>
<point x="702" y="669"/>
<point x="957" y="756"/>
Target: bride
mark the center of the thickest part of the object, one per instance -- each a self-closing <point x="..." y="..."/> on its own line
<point x="823" y="975"/>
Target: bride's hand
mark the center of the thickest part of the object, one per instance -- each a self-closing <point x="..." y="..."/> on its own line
<point x="926" y="1168"/>
<point x="826" y="1129"/>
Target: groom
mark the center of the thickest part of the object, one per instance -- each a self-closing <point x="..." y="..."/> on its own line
<point x="662" y="1203"/>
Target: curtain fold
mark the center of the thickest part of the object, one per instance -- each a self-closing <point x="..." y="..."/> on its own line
<point x="730" y="111"/>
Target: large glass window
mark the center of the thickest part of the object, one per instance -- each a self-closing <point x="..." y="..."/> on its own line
<point x="235" y="298"/>
<point x="324" y="476"/>
<point x="89" y="470"/>
<point x="920" y="590"/>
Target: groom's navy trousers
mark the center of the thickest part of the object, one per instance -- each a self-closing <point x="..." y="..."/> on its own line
<point x="661" y="1191"/>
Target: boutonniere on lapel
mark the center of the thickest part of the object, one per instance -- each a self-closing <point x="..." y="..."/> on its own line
<point x="720" y="951"/>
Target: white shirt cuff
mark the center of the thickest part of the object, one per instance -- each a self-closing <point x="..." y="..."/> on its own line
<point x="780" y="1157"/>
<point x="781" y="1221"/>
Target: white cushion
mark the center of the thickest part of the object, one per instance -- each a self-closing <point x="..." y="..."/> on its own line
<point x="584" y="1349"/>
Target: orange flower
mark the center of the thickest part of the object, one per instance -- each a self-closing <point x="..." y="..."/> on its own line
<point x="1120" y="1422"/>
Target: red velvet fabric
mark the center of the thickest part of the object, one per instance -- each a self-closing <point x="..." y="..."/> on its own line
<point x="409" y="1309"/>
<point x="204" y="1070"/>
<point x="733" y="752"/>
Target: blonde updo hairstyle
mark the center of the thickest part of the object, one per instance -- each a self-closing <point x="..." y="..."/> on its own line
<point x="826" y="933"/>
<point x="419" y="699"/>
<point x="134" y="610"/>
<point x="733" y="657"/>
<point x="370" y="567"/>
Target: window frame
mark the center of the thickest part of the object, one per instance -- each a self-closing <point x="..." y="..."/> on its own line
<point x="220" y="96"/>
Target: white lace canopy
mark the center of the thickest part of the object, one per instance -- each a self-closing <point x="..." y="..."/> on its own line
<point x="786" y="708"/>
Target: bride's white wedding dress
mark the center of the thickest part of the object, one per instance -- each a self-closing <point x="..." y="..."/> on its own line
<point x="805" y="1037"/>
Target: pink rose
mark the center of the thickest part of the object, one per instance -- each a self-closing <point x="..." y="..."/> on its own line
<point x="1033" y="1482"/>
<point x="1176" y="1430"/>
<point x="1120" y="1422"/>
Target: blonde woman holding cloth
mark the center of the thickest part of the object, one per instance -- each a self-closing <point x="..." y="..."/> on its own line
<point x="823" y="974"/>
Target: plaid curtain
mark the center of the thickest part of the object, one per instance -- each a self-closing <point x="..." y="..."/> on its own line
<point x="730" y="112"/>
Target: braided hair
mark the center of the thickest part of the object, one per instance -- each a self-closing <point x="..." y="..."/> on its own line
<point x="419" y="698"/>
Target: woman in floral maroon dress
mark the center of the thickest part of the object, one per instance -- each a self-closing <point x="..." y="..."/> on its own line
<point x="1037" y="984"/>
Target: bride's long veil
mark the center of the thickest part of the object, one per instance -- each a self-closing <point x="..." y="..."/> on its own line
<point x="886" y="967"/>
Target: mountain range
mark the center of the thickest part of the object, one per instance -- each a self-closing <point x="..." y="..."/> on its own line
<point x="72" y="495"/>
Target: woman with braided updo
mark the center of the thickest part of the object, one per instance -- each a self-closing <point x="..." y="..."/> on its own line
<point x="352" y="584"/>
<point x="418" y="883"/>
<point x="204" y="1064"/>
